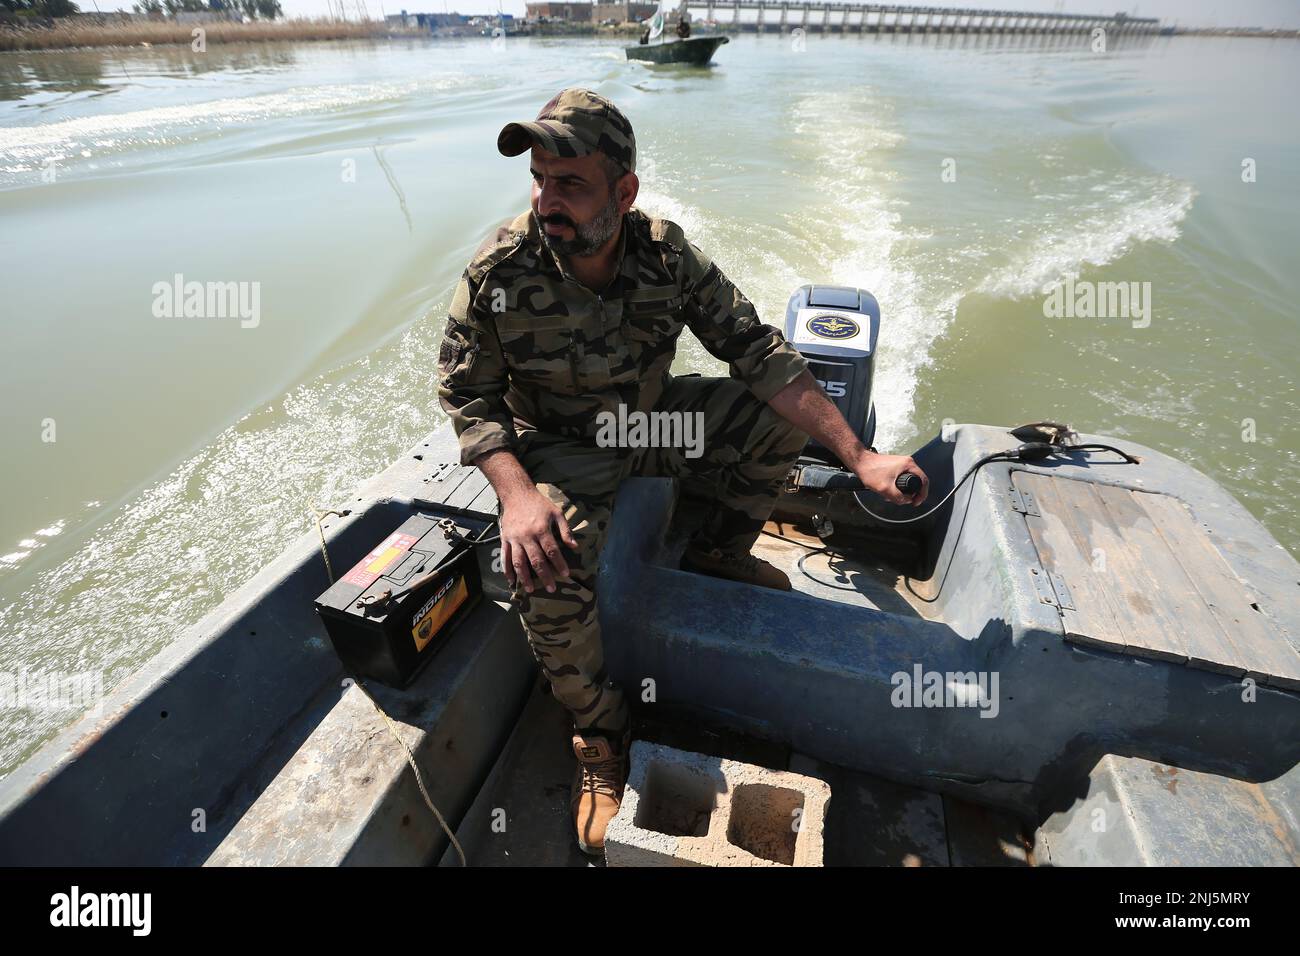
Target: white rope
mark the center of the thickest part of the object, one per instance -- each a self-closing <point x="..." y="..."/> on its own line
<point x="392" y="727"/>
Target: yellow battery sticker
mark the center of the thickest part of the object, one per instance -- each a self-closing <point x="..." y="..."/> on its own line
<point x="381" y="563"/>
<point x="430" y="618"/>
<point x="368" y="569"/>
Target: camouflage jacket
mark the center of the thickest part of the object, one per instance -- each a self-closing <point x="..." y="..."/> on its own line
<point x="529" y="347"/>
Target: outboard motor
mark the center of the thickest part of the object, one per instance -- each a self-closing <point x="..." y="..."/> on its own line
<point x="835" y="327"/>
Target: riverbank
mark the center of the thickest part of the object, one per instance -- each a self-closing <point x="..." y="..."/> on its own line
<point x="85" y="35"/>
<point x="68" y="35"/>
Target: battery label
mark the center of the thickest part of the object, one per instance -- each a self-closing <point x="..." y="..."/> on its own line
<point x="380" y="560"/>
<point x="430" y="618"/>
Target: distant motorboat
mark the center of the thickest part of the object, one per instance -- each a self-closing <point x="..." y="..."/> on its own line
<point x="693" y="50"/>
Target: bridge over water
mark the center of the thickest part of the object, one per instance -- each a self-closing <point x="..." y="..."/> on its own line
<point x="778" y="16"/>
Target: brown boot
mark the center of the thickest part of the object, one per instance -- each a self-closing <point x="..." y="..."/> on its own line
<point x="597" y="785"/>
<point x="744" y="567"/>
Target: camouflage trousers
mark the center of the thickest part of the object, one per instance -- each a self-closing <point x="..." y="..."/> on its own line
<point x="747" y="452"/>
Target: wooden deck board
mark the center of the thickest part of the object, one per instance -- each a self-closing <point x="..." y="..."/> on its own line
<point x="1146" y="580"/>
<point x="1264" y="654"/>
<point x="1062" y="543"/>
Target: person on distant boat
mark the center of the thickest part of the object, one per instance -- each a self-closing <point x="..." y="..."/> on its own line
<point x="568" y="317"/>
<point x="645" y="36"/>
<point x="684" y="26"/>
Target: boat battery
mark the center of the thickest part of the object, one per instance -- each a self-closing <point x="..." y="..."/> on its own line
<point x="385" y="629"/>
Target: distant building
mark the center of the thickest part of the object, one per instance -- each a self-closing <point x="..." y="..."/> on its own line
<point x="572" y="12"/>
<point x="623" y="12"/>
<point x="426" y="21"/>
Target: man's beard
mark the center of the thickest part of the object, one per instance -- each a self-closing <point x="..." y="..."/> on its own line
<point x="589" y="237"/>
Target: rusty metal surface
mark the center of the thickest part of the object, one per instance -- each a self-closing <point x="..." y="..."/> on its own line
<point x="1137" y="812"/>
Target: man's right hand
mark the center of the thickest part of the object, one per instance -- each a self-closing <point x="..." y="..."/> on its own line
<point x="527" y="544"/>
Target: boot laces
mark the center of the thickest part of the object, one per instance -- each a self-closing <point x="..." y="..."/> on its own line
<point x="604" y="776"/>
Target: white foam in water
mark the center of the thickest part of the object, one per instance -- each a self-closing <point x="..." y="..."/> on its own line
<point x="29" y="545"/>
<point x="854" y="134"/>
<point x="316" y="443"/>
<point x="30" y="146"/>
<point x="652" y="198"/>
<point x="1094" y="225"/>
<point x="851" y="136"/>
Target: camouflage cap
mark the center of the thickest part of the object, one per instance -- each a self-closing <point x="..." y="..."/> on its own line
<point x="575" y="122"/>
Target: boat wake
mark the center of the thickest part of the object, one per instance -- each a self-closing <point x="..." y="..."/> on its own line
<point x="867" y="242"/>
<point x="24" y="149"/>
<point x="1097" y="221"/>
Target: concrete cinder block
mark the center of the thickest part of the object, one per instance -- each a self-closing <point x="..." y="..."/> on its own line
<point x="688" y="809"/>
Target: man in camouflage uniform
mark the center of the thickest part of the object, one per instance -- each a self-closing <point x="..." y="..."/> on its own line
<point x="572" y="310"/>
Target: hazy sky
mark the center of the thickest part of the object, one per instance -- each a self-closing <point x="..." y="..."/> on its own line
<point x="1268" y="13"/>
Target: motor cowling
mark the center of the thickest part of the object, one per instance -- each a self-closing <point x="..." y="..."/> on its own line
<point x="835" y="328"/>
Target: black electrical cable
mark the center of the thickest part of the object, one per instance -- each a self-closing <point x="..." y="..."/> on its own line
<point x="1029" y="451"/>
<point x="378" y="601"/>
<point x="812" y="577"/>
<point x="996" y="456"/>
<point x="812" y="551"/>
<point x="907" y="578"/>
<point x="1009" y="455"/>
<point x="1097" y="446"/>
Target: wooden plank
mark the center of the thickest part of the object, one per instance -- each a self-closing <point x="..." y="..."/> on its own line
<point x="1121" y="580"/>
<point x="1160" y="582"/>
<point x="1061" y="548"/>
<point x="1120" y="563"/>
<point x="1266" y="654"/>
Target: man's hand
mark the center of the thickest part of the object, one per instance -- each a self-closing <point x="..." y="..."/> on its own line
<point x="527" y="544"/>
<point x="804" y="404"/>
<point x="878" y="473"/>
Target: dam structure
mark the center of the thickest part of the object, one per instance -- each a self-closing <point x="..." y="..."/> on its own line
<point x="776" y="16"/>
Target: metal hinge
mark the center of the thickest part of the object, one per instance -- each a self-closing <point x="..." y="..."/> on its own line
<point x="1023" y="501"/>
<point x="1052" y="589"/>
